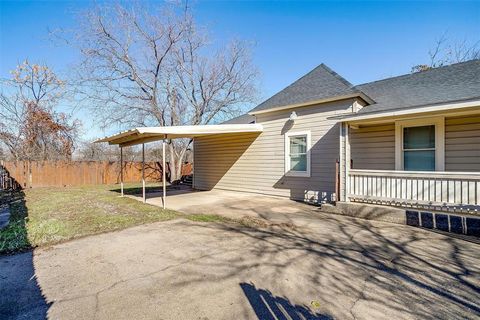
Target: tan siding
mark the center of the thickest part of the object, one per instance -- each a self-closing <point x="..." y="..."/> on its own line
<point x="373" y="147"/>
<point x="462" y="143"/>
<point x="255" y="162"/>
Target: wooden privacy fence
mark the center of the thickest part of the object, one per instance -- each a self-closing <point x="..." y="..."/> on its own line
<point x="6" y="181"/>
<point x="74" y="173"/>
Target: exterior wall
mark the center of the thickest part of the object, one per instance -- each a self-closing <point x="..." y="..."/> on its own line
<point x="373" y="147"/>
<point x="462" y="143"/>
<point x="255" y="163"/>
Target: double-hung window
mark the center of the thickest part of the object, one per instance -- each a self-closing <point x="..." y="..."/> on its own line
<point x="297" y="154"/>
<point x="420" y="145"/>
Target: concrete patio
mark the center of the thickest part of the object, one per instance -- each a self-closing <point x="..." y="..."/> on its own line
<point x="232" y="204"/>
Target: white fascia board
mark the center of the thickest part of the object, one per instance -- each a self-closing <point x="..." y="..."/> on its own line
<point x="159" y="133"/>
<point x="405" y="112"/>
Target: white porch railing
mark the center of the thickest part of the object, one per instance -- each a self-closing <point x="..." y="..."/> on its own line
<point x="449" y="190"/>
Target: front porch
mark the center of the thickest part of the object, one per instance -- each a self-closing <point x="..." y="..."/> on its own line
<point x="424" y="164"/>
<point x="440" y="191"/>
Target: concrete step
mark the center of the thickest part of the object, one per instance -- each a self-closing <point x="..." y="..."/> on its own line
<point x="452" y="222"/>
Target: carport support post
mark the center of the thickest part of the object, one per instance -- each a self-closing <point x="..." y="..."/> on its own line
<point x="164" y="173"/>
<point x="143" y="173"/>
<point x="121" y="171"/>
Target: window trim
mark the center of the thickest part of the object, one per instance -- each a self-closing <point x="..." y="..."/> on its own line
<point x="287" y="154"/>
<point x="438" y="122"/>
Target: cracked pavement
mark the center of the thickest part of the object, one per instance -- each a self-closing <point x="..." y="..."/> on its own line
<point x="350" y="268"/>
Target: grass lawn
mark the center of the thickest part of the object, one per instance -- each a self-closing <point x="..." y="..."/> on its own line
<point x="45" y="216"/>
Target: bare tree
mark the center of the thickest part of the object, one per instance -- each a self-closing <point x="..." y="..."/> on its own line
<point x="30" y="128"/>
<point x="155" y="67"/>
<point x="88" y="151"/>
<point x="446" y="52"/>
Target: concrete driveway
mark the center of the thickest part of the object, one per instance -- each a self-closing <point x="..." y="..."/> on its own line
<point x="231" y="204"/>
<point x="318" y="266"/>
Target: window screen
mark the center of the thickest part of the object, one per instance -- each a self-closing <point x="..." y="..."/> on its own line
<point x="298" y="153"/>
<point x="419" y="148"/>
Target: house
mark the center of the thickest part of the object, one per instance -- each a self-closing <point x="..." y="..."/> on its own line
<point x="411" y="142"/>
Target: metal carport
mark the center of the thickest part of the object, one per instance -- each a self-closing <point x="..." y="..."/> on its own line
<point x="144" y="135"/>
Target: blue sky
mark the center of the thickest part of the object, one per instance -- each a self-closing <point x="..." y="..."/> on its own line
<point x="362" y="41"/>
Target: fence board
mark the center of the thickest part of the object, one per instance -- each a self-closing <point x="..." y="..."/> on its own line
<point x="76" y="173"/>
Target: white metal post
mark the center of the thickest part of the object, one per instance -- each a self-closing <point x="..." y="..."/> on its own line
<point x="163" y="173"/>
<point x="121" y="171"/>
<point x="143" y="173"/>
<point x="193" y="164"/>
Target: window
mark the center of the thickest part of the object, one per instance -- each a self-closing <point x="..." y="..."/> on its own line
<point x="297" y="154"/>
<point x="420" y="145"/>
<point x="419" y="148"/>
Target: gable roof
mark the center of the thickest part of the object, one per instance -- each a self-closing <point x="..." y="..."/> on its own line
<point x="456" y="82"/>
<point x="319" y="84"/>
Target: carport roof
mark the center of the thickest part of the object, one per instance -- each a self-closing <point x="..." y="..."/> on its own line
<point x="150" y="134"/>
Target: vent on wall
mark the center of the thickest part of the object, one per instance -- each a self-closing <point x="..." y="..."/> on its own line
<point x="444" y="222"/>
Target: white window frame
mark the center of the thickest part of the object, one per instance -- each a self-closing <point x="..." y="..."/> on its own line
<point x="287" y="154"/>
<point x="438" y="122"/>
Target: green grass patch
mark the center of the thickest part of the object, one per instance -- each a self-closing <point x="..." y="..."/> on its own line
<point x="46" y="216"/>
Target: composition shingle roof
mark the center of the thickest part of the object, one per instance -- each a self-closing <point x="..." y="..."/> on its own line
<point x="455" y="82"/>
<point x="320" y="83"/>
<point x="243" y="119"/>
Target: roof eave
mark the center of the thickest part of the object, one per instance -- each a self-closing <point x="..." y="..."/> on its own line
<point x="432" y="108"/>
<point x="314" y="102"/>
<point x="150" y="134"/>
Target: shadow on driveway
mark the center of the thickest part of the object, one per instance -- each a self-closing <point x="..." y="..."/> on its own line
<point x="269" y="307"/>
<point x="20" y="294"/>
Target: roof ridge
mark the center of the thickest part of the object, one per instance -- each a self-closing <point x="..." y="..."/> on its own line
<point x="321" y="65"/>
<point x="415" y="73"/>
<point x="290" y="85"/>
<point x="345" y="81"/>
<point x="336" y="75"/>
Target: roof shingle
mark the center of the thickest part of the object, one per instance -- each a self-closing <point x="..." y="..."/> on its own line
<point x="320" y="83"/>
<point x="456" y="82"/>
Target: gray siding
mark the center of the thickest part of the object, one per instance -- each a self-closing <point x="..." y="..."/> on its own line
<point x="373" y="147"/>
<point x="462" y="143"/>
<point x="255" y="163"/>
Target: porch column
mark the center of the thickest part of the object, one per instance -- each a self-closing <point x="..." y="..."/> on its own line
<point x="121" y="171"/>
<point x="345" y="161"/>
<point x="164" y="173"/>
<point x="143" y="173"/>
<point x="348" y="162"/>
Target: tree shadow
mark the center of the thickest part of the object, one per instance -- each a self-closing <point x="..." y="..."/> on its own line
<point x="152" y="190"/>
<point x="319" y="187"/>
<point x="408" y="271"/>
<point x="20" y="293"/>
<point x="269" y="307"/>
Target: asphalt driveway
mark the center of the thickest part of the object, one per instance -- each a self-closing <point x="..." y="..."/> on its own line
<point x="324" y="267"/>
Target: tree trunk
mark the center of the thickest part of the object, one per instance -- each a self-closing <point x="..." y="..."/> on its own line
<point x="176" y="156"/>
<point x="173" y="162"/>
